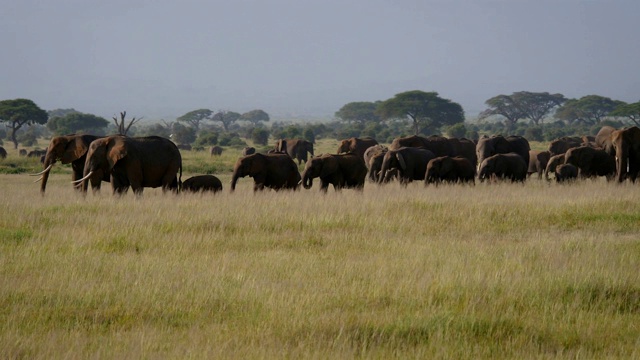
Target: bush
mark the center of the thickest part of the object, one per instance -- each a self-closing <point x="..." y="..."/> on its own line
<point x="309" y="135"/>
<point x="533" y="133"/>
<point x="260" y="136"/>
<point x="457" y="130"/>
<point x="207" y="138"/>
<point x="231" y="139"/>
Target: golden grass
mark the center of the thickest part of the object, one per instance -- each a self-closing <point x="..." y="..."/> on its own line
<point x="491" y="271"/>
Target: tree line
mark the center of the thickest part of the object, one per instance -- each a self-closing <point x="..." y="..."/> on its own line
<point x="539" y="116"/>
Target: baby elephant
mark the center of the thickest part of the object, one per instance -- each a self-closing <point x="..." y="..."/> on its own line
<point x="202" y="183"/>
<point x="566" y="172"/>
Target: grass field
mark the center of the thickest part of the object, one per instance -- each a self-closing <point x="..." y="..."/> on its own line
<point x="492" y="271"/>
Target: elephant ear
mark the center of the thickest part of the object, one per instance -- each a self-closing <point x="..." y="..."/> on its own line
<point x="74" y="150"/>
<point x="329" y="166"/>
<point x="401" y="161"/>
<point x="116" y="150"/>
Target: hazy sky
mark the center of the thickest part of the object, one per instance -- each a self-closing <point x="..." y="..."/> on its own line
<point x="161" y="58"/>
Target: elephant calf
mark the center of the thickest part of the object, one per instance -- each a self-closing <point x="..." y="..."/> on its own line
<point x="342" y="171"/>
<point x="202" y="183"/>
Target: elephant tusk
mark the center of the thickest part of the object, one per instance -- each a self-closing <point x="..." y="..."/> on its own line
<point x="43" y="171"/>
<point x="83" y="179"/>
<point x="39" y="179"/>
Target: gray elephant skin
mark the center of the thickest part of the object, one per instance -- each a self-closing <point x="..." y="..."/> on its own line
<point x="356" y="145"/>
<point x="341" y="171"/>
<point x="411" y="163"/>
<point x="296" y="148"/>
<point x="439" y="145"/>
<point x="591" y="162"/>
<point x="626" y="143"/>
<point x="136" y="162"/>
<point x="274" y="171"/>
<point x="373" y="157"/>
<point x="202" y="183"/>
<point x="510" y="166"/>
<point x="451" y="170"/>
<point x="72" y="149"/>
<point x="498" y="144"/>
<point x="538" y="161"/>
<point x="565" y="173"/>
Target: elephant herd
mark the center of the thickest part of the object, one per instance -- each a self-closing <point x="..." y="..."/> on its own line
<point x="136" y="163"/>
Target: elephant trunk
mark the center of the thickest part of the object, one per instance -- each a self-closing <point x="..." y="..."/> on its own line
<point x="234" y="180"/>
<point x="49" y="160"/>
<point x="307" y="181"/>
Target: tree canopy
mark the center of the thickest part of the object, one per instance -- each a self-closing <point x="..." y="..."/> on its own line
<point x="226" y="118"/>
<point x="630" y="111"/>
<point x="534" y="106"/>
<point x="361" y="112"/>
<point x="76" y="122"/>
<point x="19" y="112"/>
<point x="255" y="116"/>
<point x="590" y="109"/>
<point x="195" y="117"/>
<point x="427" y="110"/>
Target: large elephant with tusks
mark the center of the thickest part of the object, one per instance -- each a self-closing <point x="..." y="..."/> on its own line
<point x="71" y="149"/>
<point x="136" y="162"/>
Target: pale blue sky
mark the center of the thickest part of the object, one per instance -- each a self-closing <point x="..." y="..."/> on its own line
<point x="161" y="59"/>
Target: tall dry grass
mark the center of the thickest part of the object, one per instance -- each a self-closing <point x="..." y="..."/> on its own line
<point x="500" y="271"/>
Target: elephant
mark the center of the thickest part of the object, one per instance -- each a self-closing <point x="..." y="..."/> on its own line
<point x="464" y="148"/>
<point x="135" y="162"/>
<point x="373" y="161"/>
<point x="296" y="148"/>
<point x="411" y="163"/>
<point x="215" y="150"/>
<point x="603" y="139"/>
<point x="71" y="149"/>
<point x="538" y="162"/>
<point x="275" y="171"/>
<point x="202" y="183"/>
<point x="552" y="164"/>
<point x="3" y="153"/>
<point x="503" y="166"/>
<point x="498" y="144"/>
<point x="22" y="152"/>
<point x="591" y="162"/>
<point x="341" y="171"/>
<point x="450" y="169"/>
<point x="356" y="145"/>
<point x="561" y="145"/>
<point x="439" y="145"/>
<point x="626" y="143"/>
<point x="566" y="172"/>
<point x="248" y="150"/>
<point x="36" y="153"/>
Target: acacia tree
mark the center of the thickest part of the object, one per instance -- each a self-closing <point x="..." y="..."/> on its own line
<point x="426" y="110"/>
<point x="536" y="106"/>
<point x="505" y="106"/>
<point x="121" y="125"/>
<point x="361" y="112"/>
<point x="255" y="116"/>
<point x="75" y="122"/>
<point x="19" y="112"/>
<point x="195" y="117"/>
<point x="590" y="109"/>
<point x="630" y="111"/>
<point x="226" y="118"/>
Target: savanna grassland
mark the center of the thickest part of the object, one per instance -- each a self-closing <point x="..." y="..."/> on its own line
<point x="492" y="271"/>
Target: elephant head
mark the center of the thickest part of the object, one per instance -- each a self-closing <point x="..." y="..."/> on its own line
<point x="392" y="159"/>
<point x="487" y="147"/>
<point x="66" y="149"/>
<point x="346" y="145"/>
<point x="438" y="168"/>
<point x="102" y="156"/>
<point x="626" y="143"/>
<point x="250" y="165"/>
<point x="319" y="166"/>
<point x="281" y="145"/>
